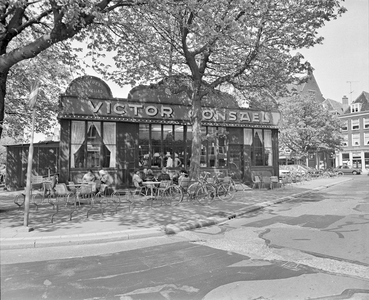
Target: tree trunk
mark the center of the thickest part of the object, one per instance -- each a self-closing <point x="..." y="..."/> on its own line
<point x="196" y="134"/>
<point x="3" y="77"/>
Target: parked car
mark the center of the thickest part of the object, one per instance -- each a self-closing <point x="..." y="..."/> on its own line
<point x="347" y="170"/>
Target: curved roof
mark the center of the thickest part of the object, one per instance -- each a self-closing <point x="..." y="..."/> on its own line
<point x="163" y="92"/>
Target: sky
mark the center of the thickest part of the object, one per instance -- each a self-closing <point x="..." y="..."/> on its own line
<point x="341" y="62"/>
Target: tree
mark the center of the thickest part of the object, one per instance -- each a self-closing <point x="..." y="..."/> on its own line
<point x="27" y="28"/>
<point x="306" y="125"/>
<point x="53" y="76"/>
<point x="203" y="45"/>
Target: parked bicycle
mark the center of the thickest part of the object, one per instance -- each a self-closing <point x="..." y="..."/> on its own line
<point x="224" y="187"/>
<point x="200" y="190"/>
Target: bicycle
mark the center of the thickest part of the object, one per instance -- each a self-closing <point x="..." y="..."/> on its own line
<point x="200" y="190"/>
<point x="225" y="188"/>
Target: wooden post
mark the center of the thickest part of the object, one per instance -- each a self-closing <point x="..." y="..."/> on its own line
<point x="29" y="173"/>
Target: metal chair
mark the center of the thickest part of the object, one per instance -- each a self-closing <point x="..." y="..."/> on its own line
<point x="256" y="182"/>
<point x="274" y="180"/>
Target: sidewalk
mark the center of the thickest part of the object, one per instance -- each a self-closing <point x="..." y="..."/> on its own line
<point x="141" y="222"/>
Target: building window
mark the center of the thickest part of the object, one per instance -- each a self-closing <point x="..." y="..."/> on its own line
<point x="345" y="140"/>
<point x="366" y="123"/>
<point x="356" y="139"/>
<point x="144" y="144"/>
<point x="345" y="158"/>
<point x="163" y="146"/>
<point x="93" y="144"/>
<point x="344" y="125"/>
<point x="366" y="138"/>
<point x="355" y="125"/>
<point x="268" y="160"/>
<point x="355" y="107"/>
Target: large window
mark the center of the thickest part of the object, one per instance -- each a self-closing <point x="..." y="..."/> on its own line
<point x="93" y="144"/>
<point x="345" y="140"/>
<point x="366" y="123"/>
<point x="162" y="146"/>
<point x="345" y="125"/>
<point x="356" y="139"/>
<point x="355" y="125"/>
<point x="366" y="138"/>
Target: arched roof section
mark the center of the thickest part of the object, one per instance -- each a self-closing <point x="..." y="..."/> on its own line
<point x="89" y="87"/>
<point x="177" y="93"/>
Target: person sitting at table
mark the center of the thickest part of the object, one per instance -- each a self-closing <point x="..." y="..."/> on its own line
<point x="136" y="179"/>
<point x="149" y="176"/>
<point x="182" y="176"/>
<point x="106" y="182"/>
<point x="89" y="176"/>
<point x="164" y="175"/>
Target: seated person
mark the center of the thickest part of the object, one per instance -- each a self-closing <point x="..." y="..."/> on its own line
<point x="136" y="179"/>
<point x="182" y="176"/>
<point x="106" y="182"/>
<point x="89" y="176"/>
<point x="149" y="176"/>
<point x="163" y="175"/>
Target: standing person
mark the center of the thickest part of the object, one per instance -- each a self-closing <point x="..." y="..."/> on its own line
<point x="164" y="175"/>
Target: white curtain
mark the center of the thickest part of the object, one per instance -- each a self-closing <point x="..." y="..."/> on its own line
<point x="77" y="139"/>
<point x="268" y="146"/>
<point x="247" y="136"/>
<point x="110" y="141"/>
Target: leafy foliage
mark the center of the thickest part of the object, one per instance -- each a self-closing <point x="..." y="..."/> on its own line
<point x="27" y="30"/>
<point x="306" y="125"/>
<point x="244" y="44"/>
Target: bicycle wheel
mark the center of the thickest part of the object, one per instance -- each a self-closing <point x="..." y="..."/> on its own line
<point x="205" y="194"/>
<point x="222" y="192"/>
<point x="231" y="191"/>
<point x="173" y="194"/>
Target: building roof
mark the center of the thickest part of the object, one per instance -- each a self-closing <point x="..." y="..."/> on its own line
<point x="363" y="99"/>
<point x="176" y="92"/>
<point x="333" y="105"/>
<point x="305" y="85"/>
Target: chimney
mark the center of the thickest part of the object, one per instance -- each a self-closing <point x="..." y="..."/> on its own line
<point x="345" y="103"/>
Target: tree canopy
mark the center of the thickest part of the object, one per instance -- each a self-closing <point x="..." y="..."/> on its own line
<point x="203" y="45"/>
<point x="29" y="28"/>
<point x="207" y="44"/>
<point x="306" y="125"/>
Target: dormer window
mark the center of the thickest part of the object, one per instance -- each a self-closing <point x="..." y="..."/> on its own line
<point x="356" y="107"/>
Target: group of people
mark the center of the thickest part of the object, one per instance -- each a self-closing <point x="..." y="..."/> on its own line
<point x="103" y="180"/>
<point x="148" y="175"/>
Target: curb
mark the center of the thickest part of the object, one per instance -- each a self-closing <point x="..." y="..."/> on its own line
<point x="79" y="239"/>
<point x="114" y="236"/>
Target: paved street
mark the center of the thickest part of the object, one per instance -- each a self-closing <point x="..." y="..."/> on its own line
<point x="312" y="246"/>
